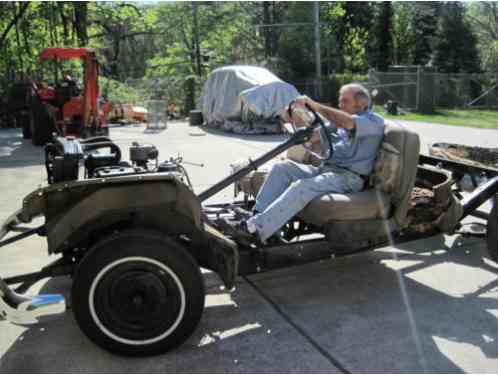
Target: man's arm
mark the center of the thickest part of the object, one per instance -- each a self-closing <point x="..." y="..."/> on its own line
<point x="340" y="118"/>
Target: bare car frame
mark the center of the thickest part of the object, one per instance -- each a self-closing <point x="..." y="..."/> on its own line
<point x="133" y="237"/>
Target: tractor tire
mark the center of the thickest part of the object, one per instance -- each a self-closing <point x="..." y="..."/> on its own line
<point x="104" y="131"/>
<point x="138" y="293"/>
<point x="42" y="123"/>
<point x="24" y="121"/>
<point x="492" y="231"/>
<point x="195" y="118"/>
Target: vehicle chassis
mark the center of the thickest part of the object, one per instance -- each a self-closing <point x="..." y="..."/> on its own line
<point x="281" y="255"/>
<point x="253" y="259"/>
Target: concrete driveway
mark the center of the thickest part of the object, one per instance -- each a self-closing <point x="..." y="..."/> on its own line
<point x="425" y="306"/>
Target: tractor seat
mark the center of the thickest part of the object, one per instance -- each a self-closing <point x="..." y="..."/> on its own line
<point x="385" y="188"/>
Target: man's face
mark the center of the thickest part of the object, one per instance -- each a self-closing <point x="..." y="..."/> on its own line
<point x="347" y="102"/>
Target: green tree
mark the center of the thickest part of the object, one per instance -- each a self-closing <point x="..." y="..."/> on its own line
<point x="344" y="35"/>
<point x="403" y="35"/>
<point x="423" y="28"/>
<point x="380" y="46"/>
<point x="352" y="36"/>
<point x="224" y="37"/>
<point x="483" y="17"/>
<point x="455" y="48"/>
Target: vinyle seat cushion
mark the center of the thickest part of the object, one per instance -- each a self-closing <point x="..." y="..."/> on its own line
<point x="367" y="204"/>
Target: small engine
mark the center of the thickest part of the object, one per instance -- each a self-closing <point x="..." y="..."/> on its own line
<point x="101" y="158"/>
<point x="141" y="154"/>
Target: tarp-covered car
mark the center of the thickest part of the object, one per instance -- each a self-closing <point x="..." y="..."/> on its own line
<point x="245" y="99"/>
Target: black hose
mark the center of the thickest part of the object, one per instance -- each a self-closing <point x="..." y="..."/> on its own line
<point x="97" y="145"/>
<point x="95" y="140"/>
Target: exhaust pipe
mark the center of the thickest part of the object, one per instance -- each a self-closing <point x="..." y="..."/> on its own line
<point x="23" y="310"/>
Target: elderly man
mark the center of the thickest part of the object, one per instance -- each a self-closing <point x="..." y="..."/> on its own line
<point x="355" y="133"/>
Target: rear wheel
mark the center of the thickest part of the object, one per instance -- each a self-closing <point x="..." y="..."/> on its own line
<point x="138" y="293"/>
<point x="195" y="118"/>
<point x="492" y="231"/>
<point x="42" y="122"/>
<point x="26" y="126"/>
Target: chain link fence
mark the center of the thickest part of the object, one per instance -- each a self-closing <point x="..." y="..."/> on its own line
<point x="411" y="87"/>
<point x="422" y="91"/>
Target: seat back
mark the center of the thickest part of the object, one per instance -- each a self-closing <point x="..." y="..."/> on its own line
<point x="396" y="168"/>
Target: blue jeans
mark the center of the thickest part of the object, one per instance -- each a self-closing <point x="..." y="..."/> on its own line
<point x="290" y="186"/>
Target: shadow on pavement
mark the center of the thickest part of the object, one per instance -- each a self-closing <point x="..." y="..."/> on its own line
<point x="18" y="152"/>
<point x="272" y="138"/>
<point x="236" y="334"/>
<point x="419" y="313"/>
<point x="375" y="312"/>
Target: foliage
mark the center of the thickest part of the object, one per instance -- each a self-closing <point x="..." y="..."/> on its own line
<point x="338" y="80"/>
<point x="122" y="92"/>
<point x="423" y="27"/>
<point x="455" y="49"/>
<point x="483" y="17"/>
<point x="381" y="42"/>
<point x="352" y="31"/>
<point x="403" y="35"/>
<point x="173" y="46"/>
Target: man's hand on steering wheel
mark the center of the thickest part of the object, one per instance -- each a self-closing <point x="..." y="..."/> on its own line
<point x="304" y="100"/>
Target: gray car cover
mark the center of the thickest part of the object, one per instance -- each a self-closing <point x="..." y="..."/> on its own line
<point x="245" y="99"/>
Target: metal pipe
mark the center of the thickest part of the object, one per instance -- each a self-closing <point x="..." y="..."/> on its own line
<point x="21" y="236"/>
<point x="480" y="215"/>
<point x="97" y="145"/>
<point x="301" y="136"/>
<point x="94" y="140"/>
<point x="480" y="195"/>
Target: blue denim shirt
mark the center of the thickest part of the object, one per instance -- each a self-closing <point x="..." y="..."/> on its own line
<point x="355" y="149"/>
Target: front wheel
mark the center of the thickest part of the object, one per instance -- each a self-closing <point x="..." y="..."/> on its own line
<point x="138" y="293"/>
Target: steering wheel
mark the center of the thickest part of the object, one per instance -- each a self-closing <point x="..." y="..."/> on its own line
<point x="316" y="122"/>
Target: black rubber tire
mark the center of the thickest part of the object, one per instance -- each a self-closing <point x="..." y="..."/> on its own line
<point x="195" y="118"/>
<point x="103" y="131"/>
<point x="120" y="263"/>
<point x="42" y="122"/>
<point x="26" y="126"/>
<point x="492" y="231"/>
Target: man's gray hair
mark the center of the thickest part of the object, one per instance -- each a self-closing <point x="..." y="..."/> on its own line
<point x="360" y="94"/>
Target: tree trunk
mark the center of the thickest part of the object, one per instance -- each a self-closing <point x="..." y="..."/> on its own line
<point x="274" y="33"/>
<point x="14" y="21"/>
<point x="18" y="43"/>
<point x="60" y="6"/>
<point x="195" y="35"/>
<point x="115" y="59"/>
<point x="80" y="22"/>
<point x="267" y="29"/>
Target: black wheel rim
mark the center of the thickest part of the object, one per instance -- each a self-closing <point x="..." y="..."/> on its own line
<point x="137" y="301"/>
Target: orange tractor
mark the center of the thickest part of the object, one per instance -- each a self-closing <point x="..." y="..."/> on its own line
<point x="66" y="109"/>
